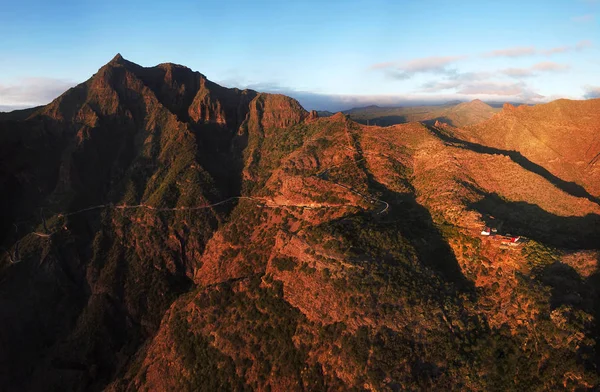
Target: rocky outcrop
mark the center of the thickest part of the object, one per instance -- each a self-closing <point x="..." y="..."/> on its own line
<point x="508" y="106"/>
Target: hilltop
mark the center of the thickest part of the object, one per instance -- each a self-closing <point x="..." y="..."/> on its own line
<point x="458" y="114"/>
<point x="165" y="233"/>
<point x="562" y="136"/>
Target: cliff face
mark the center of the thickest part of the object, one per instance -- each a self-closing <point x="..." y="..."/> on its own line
<point x="177" y="235"/>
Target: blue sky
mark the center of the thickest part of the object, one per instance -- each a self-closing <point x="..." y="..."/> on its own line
<point x="328" y="54"/>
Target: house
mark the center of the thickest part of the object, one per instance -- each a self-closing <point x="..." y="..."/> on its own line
<point x="486" y="231"/>
<point x="515" y="241"/>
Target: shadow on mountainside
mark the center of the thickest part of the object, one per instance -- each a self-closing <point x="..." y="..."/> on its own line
<point x="221" y="152"/>
<point x="529" y="220"/>
<point x="571" y="292"/>
<point x="443" y="119"/>
<point x="571" y="188"/>
<point x="415" y="223"/>
<point x="382" y="121"/>
<point x="593" y="282"/>
<point x="82" y="301"/>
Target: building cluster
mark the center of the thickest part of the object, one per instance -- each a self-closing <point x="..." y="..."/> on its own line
<point x="506" y="240"/>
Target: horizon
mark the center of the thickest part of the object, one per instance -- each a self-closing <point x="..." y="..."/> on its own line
<point x="333" y="56"/>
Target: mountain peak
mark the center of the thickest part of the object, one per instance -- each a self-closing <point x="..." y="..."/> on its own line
<point x="172" y="66"/>
<point x="474" y="103"/>
<point x="118" y="59"/>
<point x="508" y="106"/>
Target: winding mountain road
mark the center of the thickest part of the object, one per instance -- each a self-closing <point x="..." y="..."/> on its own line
<point x="265" y="202"/>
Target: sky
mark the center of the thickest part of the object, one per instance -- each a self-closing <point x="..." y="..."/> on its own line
<point x="330" y="55"/>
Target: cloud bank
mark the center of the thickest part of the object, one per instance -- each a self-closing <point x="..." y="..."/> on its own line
<point x="30" y="92"/>
<point x="506" y="83"/>
<point x="520" y="51"/>
<point x="536" y="69"/>
<point x="490" y="92"/>
<point x="406" y="70"/>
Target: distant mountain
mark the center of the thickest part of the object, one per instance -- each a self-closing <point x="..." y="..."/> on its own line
<point x="563" y="136"/>
<point x="467" y="113"/>
<point x="324" y="113"/>
<point x="452" y="103"/>
<point x="499" y="105"/>
<point x="20" y="114"/>
<point x="455" y="113"/>
<point x="163" y="233"/>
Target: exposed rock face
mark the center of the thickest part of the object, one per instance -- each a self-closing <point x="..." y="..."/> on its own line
<point x="275" y="111"/>
<point x="227" y="239"/>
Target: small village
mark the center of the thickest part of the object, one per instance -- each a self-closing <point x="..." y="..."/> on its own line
<point x="507" y="240"/>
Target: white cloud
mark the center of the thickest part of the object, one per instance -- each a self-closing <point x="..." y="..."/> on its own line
<point x="518" y="72"/>
<point x="534" y="70"/>
<point x="591" y="92"/>
<point x="549" y="66"/>
<point x="435" y="86"/>
<point x="518" y="51"/>
<point x="569" y="48"/>
<point x="522" y="51"/>
<point x="430" y="64"/>
<point x="466" y="87"/>
<point x="32" y="91"/>
<point x="407" y="69"/>
<point x="559" y="49"/>
<point x="491" y="88"/>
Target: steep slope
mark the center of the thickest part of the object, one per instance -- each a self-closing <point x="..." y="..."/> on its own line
<point x="111" y="272"/>
<point x="287" y="268"/>
<point x="361" y="273"/>
<point x="563" y="136"/>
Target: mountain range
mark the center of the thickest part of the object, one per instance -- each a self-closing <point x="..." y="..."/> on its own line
<point x="162" y="232"/>
<point x="455" y="113"/>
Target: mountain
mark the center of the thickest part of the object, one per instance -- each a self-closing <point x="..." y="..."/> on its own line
<point x="94" y="285"/>
<point x="469" y="113"/>
<point x="324" y="113"/>
<point x="563" y="136"/>
<point x="172" y="234"/>
<point x="455" y="113"/>
<point x="20" y="114"/>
